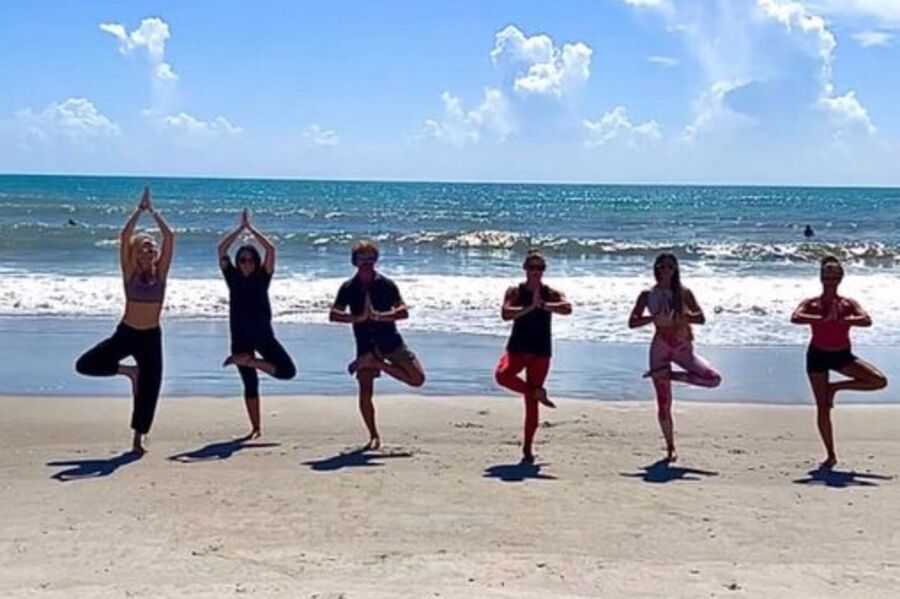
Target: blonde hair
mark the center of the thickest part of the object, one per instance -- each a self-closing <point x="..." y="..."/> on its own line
<point x="137" y="240"/>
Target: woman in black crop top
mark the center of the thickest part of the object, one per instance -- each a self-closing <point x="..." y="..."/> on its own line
<point x="144" y="271"/>
<point x="530" y="305"/>
<point x="250" y="316"/>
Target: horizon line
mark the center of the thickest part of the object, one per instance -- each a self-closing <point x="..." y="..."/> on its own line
<point x="572" y="183"/>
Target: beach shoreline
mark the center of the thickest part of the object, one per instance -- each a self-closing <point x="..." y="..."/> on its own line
<point x="457" y="364"/>
<point x="444" y="509"/>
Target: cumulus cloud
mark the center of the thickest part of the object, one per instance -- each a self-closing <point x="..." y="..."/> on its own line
<point x="848" y="110"/>
<point x="460" y="127"/>
<point x="615" y="125"/>
<point x="794" y="16"/>
<point x="318" y="136"/>
<point x="869" y="39"/>
<point x="194" y="128"/>
<point x="150" y="37"/>
<point x="75" y="120"/>
<point x="548" y="69"/>
<point x="763" y="60"/>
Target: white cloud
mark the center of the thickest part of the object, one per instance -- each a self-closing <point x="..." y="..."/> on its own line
<point x="151" y="36"/>
<point x="885" y="12"/>
<point x="868" y="39"/>
<point x="616" y="126"/>
<point x="318" y="136"/>
<point x="664" y="61"/>
<point x="712" y="114"/>
<point x="460" y="127"/>
<point x="192" y="127"/>
<point x="165" y="72"/>
<point x="846" y="109"/>
<point x="550" y="70"/>
<point x="76" y="120"/>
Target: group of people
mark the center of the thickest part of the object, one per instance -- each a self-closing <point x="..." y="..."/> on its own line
<point x="372" y="303"/>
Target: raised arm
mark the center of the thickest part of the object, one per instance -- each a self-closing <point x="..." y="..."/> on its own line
<point x="637" y="318"/>
<point x="693" y="313"/>
<point x="168" y="241"/>
<point x="268" y="246"/>
<point x="228" y="240"/>
<point x="125" y="258"/>
<point x="805" y="315"/>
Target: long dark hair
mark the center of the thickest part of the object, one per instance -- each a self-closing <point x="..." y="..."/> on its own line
<point x="677" y="294"/>
<point x="254" y="254"/>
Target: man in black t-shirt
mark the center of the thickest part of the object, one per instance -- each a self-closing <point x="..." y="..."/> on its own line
<point x="530" y="306"/>
<point x="375" y="306"/>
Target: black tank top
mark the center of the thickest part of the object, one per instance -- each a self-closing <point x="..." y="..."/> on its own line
<point x="531" y="333"/>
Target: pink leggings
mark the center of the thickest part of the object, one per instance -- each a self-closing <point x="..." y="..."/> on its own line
<point x="697" y="371"/>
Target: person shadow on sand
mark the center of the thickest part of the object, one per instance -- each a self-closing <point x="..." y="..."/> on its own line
<point x="662" y="471"/>
<point x="221" y="450"/>
<point x="358" y="458"/>
<point x="93" y="468"/>
<point x="517" y="473"/>
<point x="840" y="479"/>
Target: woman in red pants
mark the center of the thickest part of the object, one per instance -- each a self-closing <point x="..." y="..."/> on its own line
<point x="530" y="305"/>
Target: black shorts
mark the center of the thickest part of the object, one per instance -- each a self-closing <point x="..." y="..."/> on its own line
<point x="819" y="360"/>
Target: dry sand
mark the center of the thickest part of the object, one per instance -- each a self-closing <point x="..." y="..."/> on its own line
<point x="443" y="510"/>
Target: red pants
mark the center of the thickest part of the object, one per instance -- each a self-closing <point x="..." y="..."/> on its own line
<point x="507" y="375"/>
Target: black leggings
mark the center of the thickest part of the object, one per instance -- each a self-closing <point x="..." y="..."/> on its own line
<point x="273" y="353"/>
<point x="146" y="348"/>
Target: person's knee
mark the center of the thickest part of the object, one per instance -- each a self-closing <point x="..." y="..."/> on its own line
<point x="286" y="371"/>
<point x="417" y="378"/>
<point x="501" y="376"/>
<point x="880" y="382"/>
<point x="714" y="380"/>
<point x="83" y="365"/>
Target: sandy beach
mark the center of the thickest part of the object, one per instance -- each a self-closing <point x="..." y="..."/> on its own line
<point x="443" y="510"/>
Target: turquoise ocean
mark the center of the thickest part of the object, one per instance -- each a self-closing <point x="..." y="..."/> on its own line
<point x="453" y="248"/>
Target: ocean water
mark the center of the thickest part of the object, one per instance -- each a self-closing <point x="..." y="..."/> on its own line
<point x="454" y="248"/>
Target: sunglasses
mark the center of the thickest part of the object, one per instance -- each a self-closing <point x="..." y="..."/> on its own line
<point x="366" y="259"/>
<point x="537" y="267"/>
<point x="246" y="260"/>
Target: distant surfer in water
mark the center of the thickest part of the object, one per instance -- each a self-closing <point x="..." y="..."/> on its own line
<point x="808" y="232"/>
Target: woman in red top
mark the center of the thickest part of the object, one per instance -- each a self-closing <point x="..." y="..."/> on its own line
<point x="830" y="316"/>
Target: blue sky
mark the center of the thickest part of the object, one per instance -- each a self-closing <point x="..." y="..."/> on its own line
<point x="724" y="91"/>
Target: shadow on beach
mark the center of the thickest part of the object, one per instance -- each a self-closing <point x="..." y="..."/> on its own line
<point x="358" y="458"/>
<point x="663" y="471"/>
<point x="93" y="468"/>
<point x="840" y="479"/>
<point x="516" y="473"/>
<point x="221" y="450"/>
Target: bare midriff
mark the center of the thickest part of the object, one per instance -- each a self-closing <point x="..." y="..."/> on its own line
<point x="142" y="315"/>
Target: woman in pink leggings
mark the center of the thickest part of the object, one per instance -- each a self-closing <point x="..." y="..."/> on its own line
<point x="672" y="310"/>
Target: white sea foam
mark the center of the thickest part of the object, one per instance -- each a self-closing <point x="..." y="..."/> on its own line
<point x="740" y="310"/>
